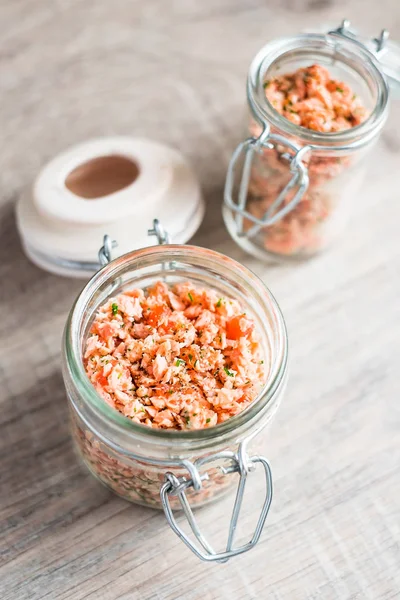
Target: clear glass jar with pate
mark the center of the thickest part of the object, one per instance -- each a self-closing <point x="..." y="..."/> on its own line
<point x="163" y="468"/>
<point x="298" y="186"/>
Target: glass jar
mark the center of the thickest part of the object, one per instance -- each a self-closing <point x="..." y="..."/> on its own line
<point x="167" y="468"/>
<point x="298" y="185"/>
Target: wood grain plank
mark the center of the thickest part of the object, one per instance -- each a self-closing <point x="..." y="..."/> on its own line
<point x="73" y="70"/>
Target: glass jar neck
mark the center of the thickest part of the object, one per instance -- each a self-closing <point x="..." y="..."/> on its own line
<point x="140" y="269"/>
<point x="328" y="50"/>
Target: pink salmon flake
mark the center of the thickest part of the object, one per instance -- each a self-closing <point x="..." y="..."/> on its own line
<point x="175" y="357"/>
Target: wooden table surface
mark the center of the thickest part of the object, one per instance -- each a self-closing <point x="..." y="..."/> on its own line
<point x="175" y="71"/>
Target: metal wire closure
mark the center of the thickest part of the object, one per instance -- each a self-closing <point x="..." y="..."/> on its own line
<point x="279" y="208"/>
<point x="240" y="463"/>
<point x="159" y="232"/>
<point x="105" y="252"/>
<point x="379" y="43"/>
<point x="386" y="51"/>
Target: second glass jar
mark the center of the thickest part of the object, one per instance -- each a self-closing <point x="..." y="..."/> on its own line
<point x="297" y="185"/>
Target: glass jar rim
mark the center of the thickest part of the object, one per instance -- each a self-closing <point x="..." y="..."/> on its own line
<point x="266" y="113"/>
<point x="73" y="348"/>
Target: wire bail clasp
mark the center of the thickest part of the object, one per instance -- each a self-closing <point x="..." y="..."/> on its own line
<point x="382" y="47"/>
<point x="159" y="232"/>
<point x="281" y="206"/>
<point x="380" y="42"/>
<point x="105" y="252"/>
<point x="240" y="463"/>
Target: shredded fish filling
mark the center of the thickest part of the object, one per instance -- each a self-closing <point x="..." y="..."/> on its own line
<point x="178" y="357"/>
<point x="309" y="97"/>
<point x="312" y="99"/>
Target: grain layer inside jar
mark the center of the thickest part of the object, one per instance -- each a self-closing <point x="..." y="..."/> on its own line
<point x="309" y="98"/>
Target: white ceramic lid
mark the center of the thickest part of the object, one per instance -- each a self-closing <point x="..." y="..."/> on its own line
<point x="62" y="231"/>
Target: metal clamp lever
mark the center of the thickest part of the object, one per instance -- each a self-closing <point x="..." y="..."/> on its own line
<point x="384" y="49"/>
<point x="176" y="486"/>
<point x="379" y="42"/>
<point x="105" y="252"/>
<point x="159" y="232"/>
<point x="278" y="208"/>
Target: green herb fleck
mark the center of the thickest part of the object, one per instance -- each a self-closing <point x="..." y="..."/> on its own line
<point x="196" y="362"/>
<point x="266" y="83"/>
<point x="261" y="362"/>
<point x="171" y="392"/>
<point x="190" y="357"/>
<point x="190" y="297"/>
<point x="179" y="362"/>
<point x="228" y="372"/>
<point x="354" y="96"/>
<point x="114" y="308"/>
<point x="119" y="375"/>
<point x="208" y="420"/>
<point x="187" y="419"/>
<point x="219" y="303"/>
<point x="195" y="414"/>
<point x="339" y="89"/>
